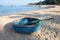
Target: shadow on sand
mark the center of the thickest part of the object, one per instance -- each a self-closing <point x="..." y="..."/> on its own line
<point x="10" y="34"/>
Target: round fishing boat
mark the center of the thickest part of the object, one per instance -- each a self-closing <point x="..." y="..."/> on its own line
<point x="27" y="25"/>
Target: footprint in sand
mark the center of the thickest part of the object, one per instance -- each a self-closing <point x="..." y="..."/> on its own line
<point x="46" y="39"/>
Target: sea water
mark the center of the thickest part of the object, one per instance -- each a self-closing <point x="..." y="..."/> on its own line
<point x="7" y="10"/>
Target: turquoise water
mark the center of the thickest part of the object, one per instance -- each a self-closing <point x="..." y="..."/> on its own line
<point x="6" y="10"/>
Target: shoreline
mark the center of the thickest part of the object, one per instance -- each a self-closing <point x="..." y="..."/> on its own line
<point x="47" y="7"/>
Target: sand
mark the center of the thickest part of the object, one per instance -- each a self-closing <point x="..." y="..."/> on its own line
<point x="50" y="30"/>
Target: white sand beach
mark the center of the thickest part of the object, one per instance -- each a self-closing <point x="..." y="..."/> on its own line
<point x="50" y="30"/>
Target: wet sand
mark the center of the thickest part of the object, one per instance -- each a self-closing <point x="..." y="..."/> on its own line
<point x="50" y="30"/>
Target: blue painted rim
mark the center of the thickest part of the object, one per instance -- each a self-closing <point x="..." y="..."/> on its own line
<point x="27" y="30"/>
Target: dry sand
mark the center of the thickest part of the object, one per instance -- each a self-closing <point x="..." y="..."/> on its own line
<point x="50" y="30"/>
